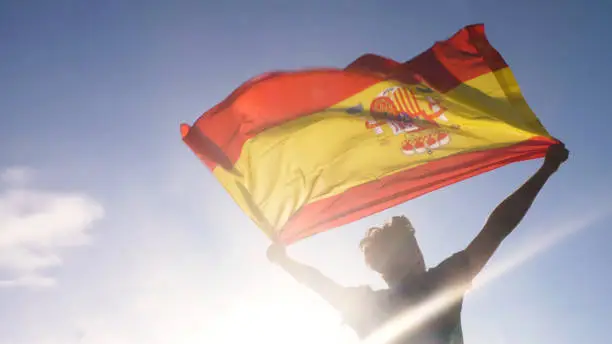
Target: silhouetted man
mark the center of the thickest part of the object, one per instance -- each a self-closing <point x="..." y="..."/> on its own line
<point x="392" y="251"/>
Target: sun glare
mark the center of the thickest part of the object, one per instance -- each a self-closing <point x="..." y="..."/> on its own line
<point x="295" y="317"/>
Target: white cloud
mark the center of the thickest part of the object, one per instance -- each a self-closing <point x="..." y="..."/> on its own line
<point x="34" y="227"/>
<point x="16" y="175"/>
<point x="29" y="281"/>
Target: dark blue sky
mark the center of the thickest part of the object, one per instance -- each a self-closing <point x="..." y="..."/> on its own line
<point x="91" y="97"/>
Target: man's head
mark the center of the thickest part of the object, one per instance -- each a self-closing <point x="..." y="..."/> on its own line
<point x="392" y="250"/>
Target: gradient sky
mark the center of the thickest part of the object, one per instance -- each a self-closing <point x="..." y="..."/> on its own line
<point x="111" y="231"/>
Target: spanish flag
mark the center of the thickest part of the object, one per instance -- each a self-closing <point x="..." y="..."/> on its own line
<point x="305" y="151"/>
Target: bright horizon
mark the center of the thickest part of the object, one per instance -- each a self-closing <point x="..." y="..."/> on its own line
<point x="111" y="230"/>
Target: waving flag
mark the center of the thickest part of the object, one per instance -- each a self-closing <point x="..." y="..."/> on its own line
<point x="305" y="151"/>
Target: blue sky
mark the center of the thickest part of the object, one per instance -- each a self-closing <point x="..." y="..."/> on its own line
<point x="111" y="231"/>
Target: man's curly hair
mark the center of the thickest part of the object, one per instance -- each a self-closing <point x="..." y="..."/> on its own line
<point x="380" y="242"/>
<point x="376" y="236"/>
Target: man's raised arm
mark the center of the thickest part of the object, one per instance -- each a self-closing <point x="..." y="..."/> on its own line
<point x="511" y="211"/>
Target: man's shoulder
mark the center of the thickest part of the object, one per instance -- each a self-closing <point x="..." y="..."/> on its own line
<point x="456" y="260"/>
<point x="360" y="291"/>
<point x="454" y="269"/>
<point x="364" y="308"/>
<point x="360" y="296"/>
<point x="365" y="295"/>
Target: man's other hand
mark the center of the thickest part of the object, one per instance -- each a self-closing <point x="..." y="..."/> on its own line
<point x="276" y="253"/>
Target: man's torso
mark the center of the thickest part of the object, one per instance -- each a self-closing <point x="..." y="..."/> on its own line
<point x="423" y="310"/>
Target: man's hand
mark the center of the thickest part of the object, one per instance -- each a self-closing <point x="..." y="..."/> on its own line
<point x="557" y="154"/>
<point x="276" y="253"/>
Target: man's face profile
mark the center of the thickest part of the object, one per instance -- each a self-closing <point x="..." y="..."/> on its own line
<point x="392" y="249"/>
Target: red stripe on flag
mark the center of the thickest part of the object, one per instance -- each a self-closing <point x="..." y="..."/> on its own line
<point x="465" y="56"/>
<point x="375" y="64"/>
